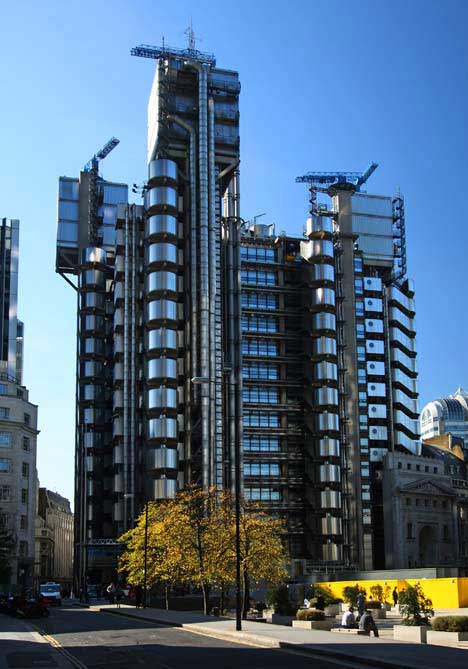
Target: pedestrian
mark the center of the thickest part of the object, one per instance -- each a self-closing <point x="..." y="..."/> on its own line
<point x="395" y="596"/>
<point x="306" y="603"/>
<point x="348" y="620"/>
<point x="111" y="592"/>
<point x="361" y="604"/>
<point x="119" y="593"/>
<point x="320" y="604"/>
<point x="138" y="596"/>
<point x="367" y="623"/>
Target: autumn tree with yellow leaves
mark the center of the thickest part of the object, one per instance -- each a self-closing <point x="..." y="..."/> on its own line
<point x="191" y="541"/>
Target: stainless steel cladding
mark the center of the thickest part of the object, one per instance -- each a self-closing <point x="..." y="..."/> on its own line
<point x="117" y="457"/>
<point x="161" y="281"/>
<point x="330" y="499"/>
<point x="163" y="429"/>
<point x="329" y="473"/>
<point x="162" y="368"/>
<point x="375" y="368"/>
<point x="93" y="255"/>
<point x="329" y="448"/>
<point x="319" y="225"/>
<point x="323" y="297"/>
<point x="162" y="169"/>
<point x="376" y="389"/>
<point x="332" y="552"/>
<point x="378" y="432"/>
<point x="118" y="483"/>
<point x="162" y="489"/>
<point x="161" y="310"/>
<point x="118" y="512"/>
<point x="328" y="422"/>
<point x="322" y="273"/>
<point x="373" y="304"/>
<point x="326" y="396"/>
<point x="94" y="277"/>
<point x="161" y="197"/>
<point x="162" y="458"/>
<point x="162" y="253"/>
<point x="161" y="224"/>
<point x="324" y="346"/>
<point x="162" y="398"/>
<point x="325" y="371"/>
<point x="324" y="321"/>
<point x="161" y="339"/>
<point x="317" y="250"/>
<point x="331" y="525"/>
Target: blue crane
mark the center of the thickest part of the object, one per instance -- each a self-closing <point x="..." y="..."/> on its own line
<point x="320" y="181"/>
<point x="94" y="189"/>
<point x="102" y="153"/>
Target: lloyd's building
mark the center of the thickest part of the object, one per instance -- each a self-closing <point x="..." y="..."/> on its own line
<point x="198" y="334"/>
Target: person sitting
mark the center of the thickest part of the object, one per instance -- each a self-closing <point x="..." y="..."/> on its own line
<point x="348" y="620"/>
<point x="367" y="623"/>
<point x="306" y="603"/>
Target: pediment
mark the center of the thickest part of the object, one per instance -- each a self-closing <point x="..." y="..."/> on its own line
<point x="427" y="487"/>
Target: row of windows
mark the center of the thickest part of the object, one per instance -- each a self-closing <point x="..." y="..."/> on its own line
<point x="260" y="370"/>
<point x="5" y="522"/>
<point x="5" y="441"/>
<point x="4" y="413"/>
<point x="5" y="466"/>
<point x="256" y="394"/>
<point x="259" y="347"/>
<point x="261" y="419"/>
<point x="258" y="254"/>
<point x="261" y="443"/>
<point x="409" y="466"/>
<point x="264" y="494"/>
<point x="418" y="502"/>
<point x="258" y="277"/>
<point x="445" y="532"/>
<point x="259" y="301"/>
<point x="259" y="323"/>
<point x="261" y="469"/>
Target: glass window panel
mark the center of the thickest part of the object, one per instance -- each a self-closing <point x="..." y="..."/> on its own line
<point x="5" y="465"/>
<point x="5" y="439"/>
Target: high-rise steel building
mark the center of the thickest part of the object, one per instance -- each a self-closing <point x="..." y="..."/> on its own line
<point x="198" y="332"/>
<point x="447" y="415"/>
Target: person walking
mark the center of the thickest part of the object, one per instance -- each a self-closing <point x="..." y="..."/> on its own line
<point x="348" y="620"/>
<point x="119" y="593"/>
<point x="320" y="604"/>
<point x="367" y="623"/>
<point x="395" y="596"/>
<point x="111" y="592"/>
<point x="361" y="604"/>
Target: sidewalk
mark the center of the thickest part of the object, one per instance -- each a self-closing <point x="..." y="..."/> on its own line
<point x="367" y="651"/>
<point x="21" y="646"/>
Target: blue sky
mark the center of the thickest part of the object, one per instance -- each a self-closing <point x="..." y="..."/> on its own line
<point x="326" y="85"/>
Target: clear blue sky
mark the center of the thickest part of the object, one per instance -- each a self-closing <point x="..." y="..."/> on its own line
<point x="325" y="85"/>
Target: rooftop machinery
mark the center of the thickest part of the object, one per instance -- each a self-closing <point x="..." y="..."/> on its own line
<point x="92" y="167"/>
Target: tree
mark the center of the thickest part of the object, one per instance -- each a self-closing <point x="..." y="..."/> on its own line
<point x="352" y="592"/>
<point x="7" y="545"/>
<point x="377" y="592"/>
<point x="415" y="606"/>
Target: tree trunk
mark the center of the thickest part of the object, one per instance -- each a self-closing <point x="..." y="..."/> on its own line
<point x="222" y="598"/>
<point x="246" y="599"/>
<point x="166" y="592"/>
<point x="206" y="599"/>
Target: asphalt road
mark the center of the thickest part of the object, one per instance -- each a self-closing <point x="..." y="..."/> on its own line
<point x="103" y="640"/>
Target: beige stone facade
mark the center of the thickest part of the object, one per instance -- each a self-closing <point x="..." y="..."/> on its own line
<point x="54" y="539"/>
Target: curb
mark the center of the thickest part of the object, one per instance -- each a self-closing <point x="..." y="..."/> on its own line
<point x="263" y="642"/>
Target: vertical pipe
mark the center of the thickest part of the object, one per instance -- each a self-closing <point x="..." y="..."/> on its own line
<point x="212" y="286"/>
<point x="238" y="311"/>
<point x="133" y="368"/>
<point x="204" y="270"/>
<point x="125" y="367"/>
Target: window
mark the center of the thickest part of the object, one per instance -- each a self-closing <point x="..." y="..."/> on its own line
<point x="259" y="301"/>
<point x="362" y="398"/>
<point x="257" y="394"/>
<point x="444" y="505"/>
<point x="5" y="439"/>
<point x="258" y="254"/>
<point x="417" y="502"/>
<point x="434" y="503"/>
<point x="445" y="533"/>
<point x="260" y="370"/>
<point x="409" y="530"/>
<point x="436" y="469"/>
<point x="364" y="443"/>
<point x="23" y="548"/>
<point x="4" y="413"/>
<point x="365" y="488"/>
<point x="426" y="469"/>
<point x="408" y="501"/>
<point x="399" y="465"/>
<point x="261" y="443"/>
<point x="259" y="347"/>
<point x="4" y="520"/>
<point x="255" y="323"/>
<point x="24" y="496"/>
<point x="418" y="468"/>
<point x="25" y="470"/>
<point x="360" y="330"/>
<point x="357" y="264"/>
<point x="361" y="373"/>
<point x="263" y="494"/>
<point x="363" y="421"/>
<point x="359" y="308"/>
<point x="23" y="523"/>
<point x="361" y="353"/>
<point x="3" y="389"/>
<point x="261" y="469"/>
<point x="426" y="503"/>
<point x="365" y="469"/>
<point x="5" y="465"/>
<point x="5" y="493"/>
<point x="26" y="444"/>
<point x="19" y="393"/>
<point x="258" y="277"/>
<point x="358" y="288"/>
<point x="408" y="465"/>
<point x="27" y="419"/>
<point x="261" y="419"/>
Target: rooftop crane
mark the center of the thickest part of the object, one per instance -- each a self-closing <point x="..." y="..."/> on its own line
<point x="92" y="169"/>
